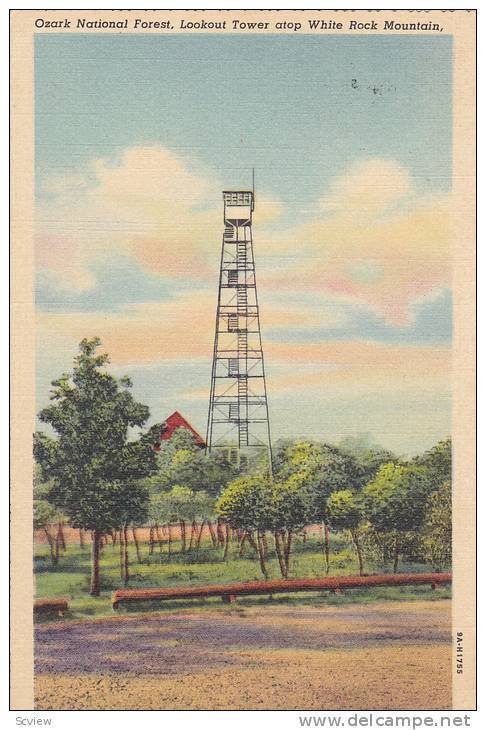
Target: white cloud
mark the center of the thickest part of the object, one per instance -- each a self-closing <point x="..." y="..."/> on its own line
<point x="378" y="243"/>
<point x="369" y="188"/>
<point x="149" y="203"/>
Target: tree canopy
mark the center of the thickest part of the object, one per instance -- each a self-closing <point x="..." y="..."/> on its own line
<point x="396" y="500"/>
<point x="181" y="462"/>
<point x="93" y="466"/>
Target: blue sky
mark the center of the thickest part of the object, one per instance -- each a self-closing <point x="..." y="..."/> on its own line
<point x="327" y="123"/>
<point x="287" y="106"/>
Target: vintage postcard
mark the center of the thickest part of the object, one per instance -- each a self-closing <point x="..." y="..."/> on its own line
<point x="243" y="349"/>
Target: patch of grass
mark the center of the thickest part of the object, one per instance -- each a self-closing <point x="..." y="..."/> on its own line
<point x="71" y="577"/>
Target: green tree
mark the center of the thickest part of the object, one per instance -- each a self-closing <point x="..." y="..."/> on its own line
<point x="181" y="507"/>
<point x="280" y="455"/>
<point x="181" y="439"/>
<point x="346" y="513"/>
<point x="246" y="504"/>
<point x="180" y="504"/>
<point x="289" y="511"/>
<point x="94" y="467"/>
<point x="218" y="472"/>
<point x="395" y="503"/>
<point x="203" y="506"/>
<point x="160" y="512"/>
<point x="368" y="457"/>
<point x="322" y="470"/>
<point x="128" y="506"/>
<point x="436" y="536"/>
<point x="193" y="469"/>
<point x="437" y="462"/>
<point x="44" y="516"/>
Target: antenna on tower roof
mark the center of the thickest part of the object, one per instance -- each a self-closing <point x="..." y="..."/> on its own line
<point x="253" y="185"/>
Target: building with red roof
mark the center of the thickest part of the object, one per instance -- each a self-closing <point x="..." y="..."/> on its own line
<point x="175" y="421"/>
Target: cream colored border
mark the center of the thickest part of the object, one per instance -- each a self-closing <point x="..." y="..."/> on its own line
<point x="460" y="24"/>
<point x="464" y="363"/>
<point x="22" y="366"/>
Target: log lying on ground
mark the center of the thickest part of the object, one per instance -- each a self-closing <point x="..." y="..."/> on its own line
<point x="44" y="606"/>
<point x="253" y="588"/>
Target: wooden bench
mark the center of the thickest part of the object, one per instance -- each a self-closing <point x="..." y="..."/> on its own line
<point x="50" y="606"/>
<point x="229" y="591"/>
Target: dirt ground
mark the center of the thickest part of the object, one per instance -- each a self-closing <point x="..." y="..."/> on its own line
<point x="377" y="656"/>
<point x="71" y="535"/>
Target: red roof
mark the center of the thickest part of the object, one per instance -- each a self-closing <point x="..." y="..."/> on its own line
<point x="177" y="421"/>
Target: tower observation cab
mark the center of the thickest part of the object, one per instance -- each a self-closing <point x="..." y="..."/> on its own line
<point x="238" y="408"/>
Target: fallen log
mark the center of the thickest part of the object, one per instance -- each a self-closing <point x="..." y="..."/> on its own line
<point x="50" y="606"/>
<point x="252" y="588"/>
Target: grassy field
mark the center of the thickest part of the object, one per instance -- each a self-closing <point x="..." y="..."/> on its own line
<point x="70" y="578"/>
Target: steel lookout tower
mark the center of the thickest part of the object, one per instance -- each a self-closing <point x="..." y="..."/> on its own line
<point x="238" y="408"/>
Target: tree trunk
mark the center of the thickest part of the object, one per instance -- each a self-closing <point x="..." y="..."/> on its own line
<point x="381" y="545"/>
<point x="169" y="531"/>
<point x="95" y="564"/>
<point x="326" y="546"/>
<point x="219" y="530"/>
<point x="265" y="545"/>
<point x="151" y="540"/>
<point x="199" y="535"/>
<point x="193" y="534"/>
<point x="278" y="550"/>
<point x="137" y="545"/>
<point x="113" y="538"/>
<point x="261" y="554"/>
<point x="60" y="536"/>
<point x="126" y="576"/>
<point x="54" y="556"/>
<point x="287" y="551"/>
<point x="160" y="538"/>
<point x="242" y="544"/>
<point x="57" y="547"/>
<point x="357" y="545"/>
<point x="81" y="538"/>
<point x="182" y="524"/>
<point x="304" y="536"/>
<point x="226" y="541"/>
<point x="396" y="554"/>
<point x="252" y="540"/>
<point x="122" y="569"/>
<point x="212" y="533"/>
